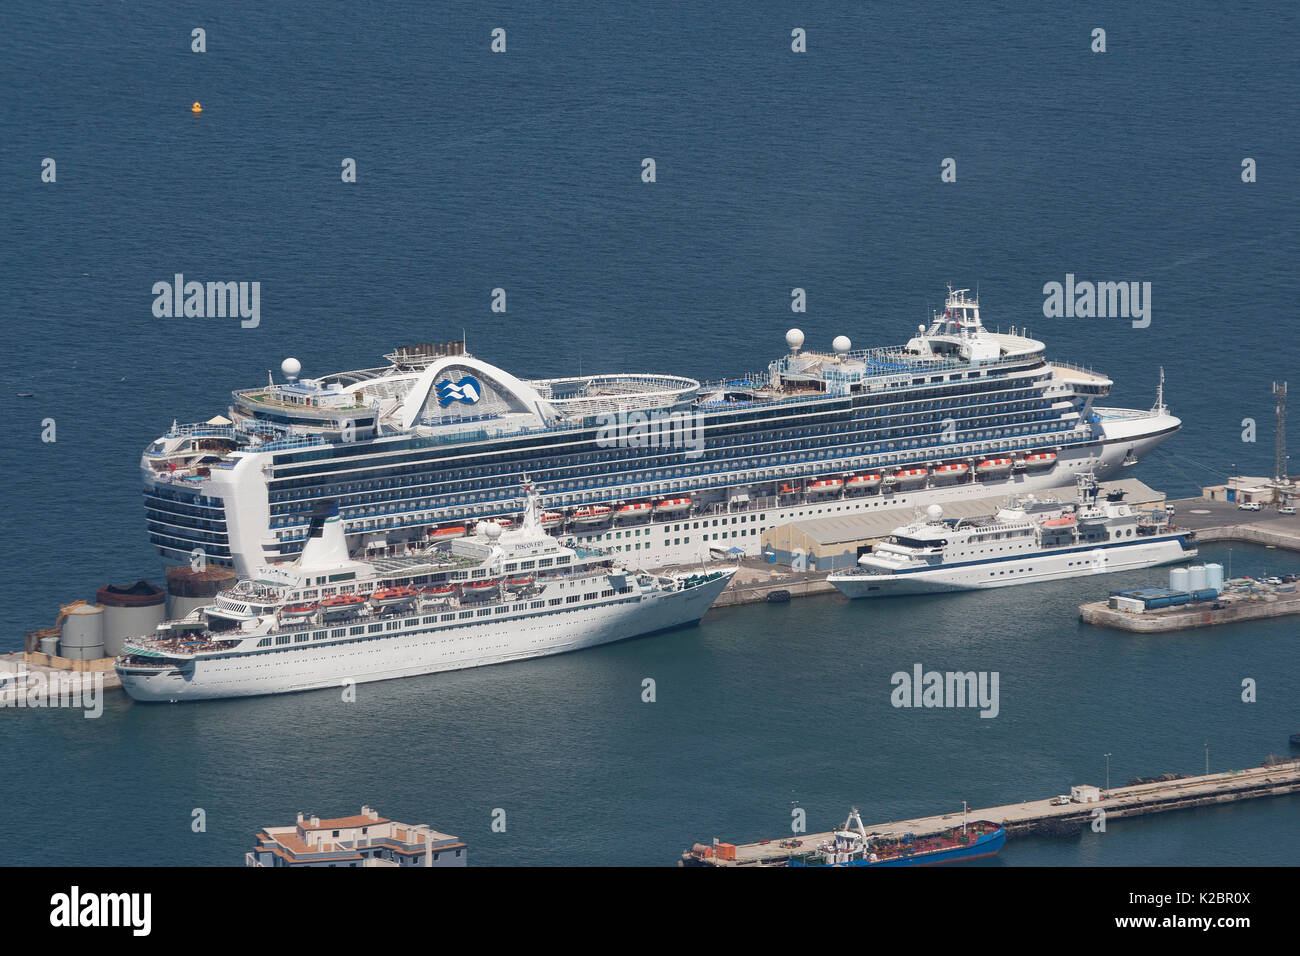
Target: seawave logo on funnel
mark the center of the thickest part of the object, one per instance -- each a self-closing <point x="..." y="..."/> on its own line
<point x="467" y="390"/>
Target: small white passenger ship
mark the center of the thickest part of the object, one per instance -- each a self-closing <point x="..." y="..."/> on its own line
<point x="1026" y="542"/>
<point x="327" y="619"/>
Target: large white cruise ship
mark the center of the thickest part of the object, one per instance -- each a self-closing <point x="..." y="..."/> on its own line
<point x="1027" y="542"/>
<point x="327" y="619"/>
<point x="660" y="468"/>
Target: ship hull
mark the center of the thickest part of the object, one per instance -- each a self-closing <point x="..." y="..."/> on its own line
<point x="984" y="846"/>
<point x="419" y="652"/>
<point x="1030" y="569"/>
<point x="679" y="538"/>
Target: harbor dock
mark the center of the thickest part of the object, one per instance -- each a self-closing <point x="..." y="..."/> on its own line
<point x="1043" y="817"/>
<point x="1225" y="611"/>
<point x="1214" y="522"/>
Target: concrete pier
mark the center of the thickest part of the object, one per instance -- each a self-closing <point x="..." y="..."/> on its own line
<point x="1189" y="615"/>
<point x="1042" y="816"/>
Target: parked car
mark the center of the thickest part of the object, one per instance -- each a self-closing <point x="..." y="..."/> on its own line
<point x="1171" y="510"/>
<point x="1250" y="506"/>
<point x="1286" y="510"/>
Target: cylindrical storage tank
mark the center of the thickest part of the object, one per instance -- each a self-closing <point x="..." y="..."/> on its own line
<point x="188" y="589"/>
<point x="1214" y="576"/>
<point x="1153" y="603"/>
<point x="81" y="631"/>
<point x="1208" y="594"/>
<point x="1177" y="600"/>
<point x="1196" y="578"/>
<point x="130" y="612"/>
<point x="50" y="646"/>
<point x="1178" y="579"/>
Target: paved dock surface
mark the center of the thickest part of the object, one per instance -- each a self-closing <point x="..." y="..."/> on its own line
<point x="1024" y="818"/>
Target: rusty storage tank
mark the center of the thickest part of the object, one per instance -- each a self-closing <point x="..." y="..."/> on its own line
<point x="81" y="631"/>
<point x="130" y="612"/>
<point x="188" y="589"/>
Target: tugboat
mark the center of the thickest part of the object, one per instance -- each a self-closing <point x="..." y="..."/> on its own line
<point x="853" y="846"/>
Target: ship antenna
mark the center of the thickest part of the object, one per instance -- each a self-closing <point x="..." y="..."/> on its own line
<point x="1159" y="407"/>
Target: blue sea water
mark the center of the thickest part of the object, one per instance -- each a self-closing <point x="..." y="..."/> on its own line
<point x="522" y="171"/>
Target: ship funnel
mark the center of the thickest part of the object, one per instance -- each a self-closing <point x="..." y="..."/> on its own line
<point x="327" y="545"/>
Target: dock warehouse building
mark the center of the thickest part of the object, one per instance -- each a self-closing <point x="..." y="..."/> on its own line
<point x="834" y="542"/>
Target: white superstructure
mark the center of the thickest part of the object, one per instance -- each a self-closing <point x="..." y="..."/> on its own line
<point x="1028" y="541"/>
<point x="657" y="468"/>
<point x="328" y="619"/>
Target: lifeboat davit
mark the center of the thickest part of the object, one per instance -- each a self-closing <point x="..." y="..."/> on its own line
<point x="551" y="518"/>
<point x="634" y="509"/>
<point x="953" y="470"/>
<point x="863" y="481"/>
<point x="341" y="606"/>
<point x="393" y="597"/>
<point x="593" y="515"/>
<point x="1041" y="460"/>
<point x="825" y="486"/>
<point x="993" y="466"/>
<point x="908" y="476"/>
<point x="791" y="489"/>
<point x="297" y="612"/>
<point x="672" y="506"/>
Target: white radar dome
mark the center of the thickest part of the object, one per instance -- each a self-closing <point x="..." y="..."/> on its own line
<point x="935" y="512"/>
<point x="491" y="530"/>
<point x="291" y="367"/>
<point x="794" y="339"/>
<point x="841" y="344"/>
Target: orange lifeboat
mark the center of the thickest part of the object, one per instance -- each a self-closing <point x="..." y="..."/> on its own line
<point x="634" y="509"/>
<point x="297" y="612"/>
<point x="908" y="475"/>
<point x="863" y="481"/>
<point x="393" y="597"/>
<point x="1040" y="460"/>
<point x="1065" y="521"/>
<point x="672" y="506"/>
<point x="341" y="606"/>
<point x="449" y="531"/>
<point x="550" y="518"/>
<point x="952" y="470"/>
<point x="993" y="466"/>
<point x="592" y="515"/>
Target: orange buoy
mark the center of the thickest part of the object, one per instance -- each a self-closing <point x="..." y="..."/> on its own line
<point x="196" y="108"/>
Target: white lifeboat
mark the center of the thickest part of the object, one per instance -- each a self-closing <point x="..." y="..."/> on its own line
<point x="634" y="509"/>
<point x="863" y="481"/>
<point x="591" y="515"/>
<point x="825" y="486"/>
<point x="952" y="470"/>
<point x="993" y="466"/>
<point x="551" y="518"/>
<point x="1043" y="459"/>
<point x="906" y="476"/>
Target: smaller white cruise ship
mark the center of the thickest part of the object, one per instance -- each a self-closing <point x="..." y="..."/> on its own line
<point x="1028" y="541"/>
<point x="327" y="619"/>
